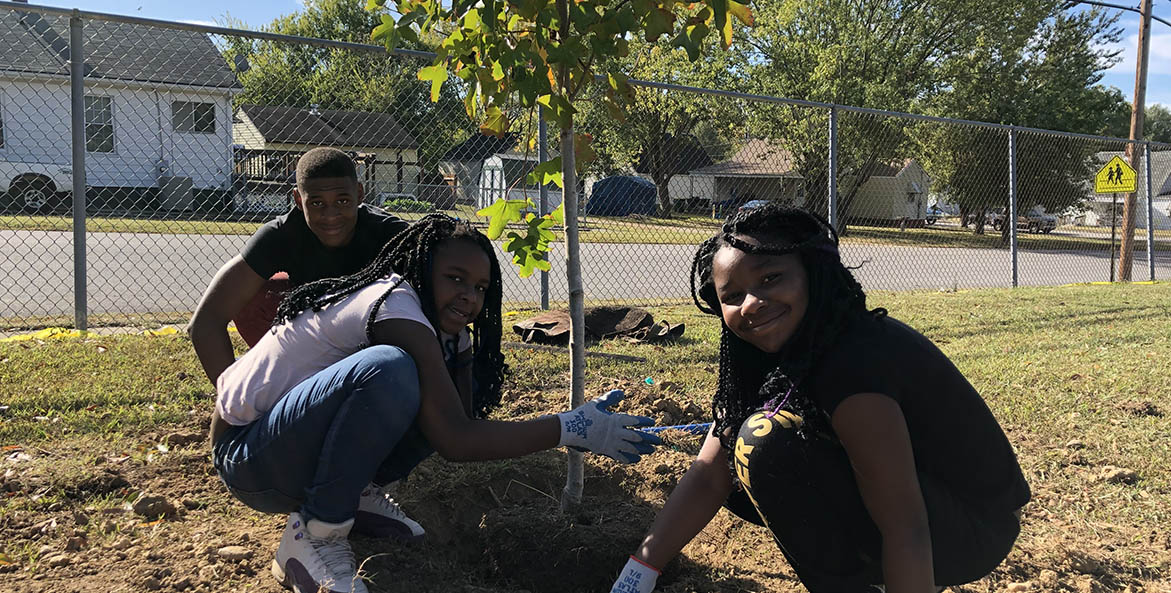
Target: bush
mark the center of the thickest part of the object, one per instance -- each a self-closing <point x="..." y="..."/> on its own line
<point x="407" y="205"/>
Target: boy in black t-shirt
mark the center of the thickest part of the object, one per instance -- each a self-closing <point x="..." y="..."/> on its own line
<point x="846" y="433"/>
<point x="330" y="233"/>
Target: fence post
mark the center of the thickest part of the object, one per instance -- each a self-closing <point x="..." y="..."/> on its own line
<point x="833" y="167"/>
<point x="1150" y="210"/>
<point x="1010" y="216"/>
<point x="77" y="96"/>
<point x="542" y="156"/>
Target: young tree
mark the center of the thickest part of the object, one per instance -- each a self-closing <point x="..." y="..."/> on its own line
<point x="544" y="53"/>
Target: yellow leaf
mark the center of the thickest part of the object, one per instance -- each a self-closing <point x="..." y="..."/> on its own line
<point x="742" y="13"/>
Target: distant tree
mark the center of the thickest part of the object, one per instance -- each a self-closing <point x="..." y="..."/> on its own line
<point x="885" y="54"/>
<point x="1157" y="123"/>
<point x="1046" y="79"/>
<point x="671" y="132"/>
<point x="301" y="75"/>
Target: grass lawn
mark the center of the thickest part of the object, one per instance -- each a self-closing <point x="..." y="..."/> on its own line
<point x="1076" y="375"/>
<point x="686" y="229"/>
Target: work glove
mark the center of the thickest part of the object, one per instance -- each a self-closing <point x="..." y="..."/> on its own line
<point x="592" y="427"/>
<point x="636" y="577"/>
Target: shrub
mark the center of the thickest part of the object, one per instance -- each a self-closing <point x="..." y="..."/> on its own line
<point x="407" y="205"/>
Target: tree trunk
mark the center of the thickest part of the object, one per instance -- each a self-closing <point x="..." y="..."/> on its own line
<point x="575" y="474"/>
<point x="847" y="199"/>
<point x="964" y="212"/>
<point x="575" y="470"/>
<point x="663" y="189"/>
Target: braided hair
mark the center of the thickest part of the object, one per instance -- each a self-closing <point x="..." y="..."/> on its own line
<point x="410" y="253"/>
<point x="749" y="378"/>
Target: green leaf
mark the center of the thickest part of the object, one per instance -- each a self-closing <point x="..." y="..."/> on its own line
<point x="437" y="74"/>
<point x="472" y="20"/>
<point x="583" y="151"/>
<point x="546" y="172"/>
<point x="659" y="22"/>
<point x="691" y="39"/>
<point x="495" y="122"/>
<point x="620" y="86"/>
<point x="557" y="107"/>
<point x="385" y="33"/>
<point x="502" y="212"/>
<point x="557" y="215"/>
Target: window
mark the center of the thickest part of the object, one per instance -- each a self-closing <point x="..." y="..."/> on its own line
<point x="99" y="124"/>
<point x="193" y="117"/>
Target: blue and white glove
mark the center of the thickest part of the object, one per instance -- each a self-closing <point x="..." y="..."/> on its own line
<point x="636" y="577"/>
<point x="592" y="427"/>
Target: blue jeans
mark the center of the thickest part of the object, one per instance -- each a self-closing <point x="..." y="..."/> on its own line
<point x="346" y="426"/>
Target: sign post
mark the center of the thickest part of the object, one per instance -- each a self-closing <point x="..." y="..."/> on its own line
<point x="1114" y="178"/>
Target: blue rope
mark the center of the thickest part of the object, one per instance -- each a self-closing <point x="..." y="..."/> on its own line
<point x="700" y="429"/>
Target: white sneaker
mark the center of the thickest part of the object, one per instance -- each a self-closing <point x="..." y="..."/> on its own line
<point x="315" y="556"/>
<point x="380" y="516"/>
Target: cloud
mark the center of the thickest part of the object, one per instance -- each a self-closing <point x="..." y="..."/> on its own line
<point x="199" y="22"/>
<point x="1159" y="61"/>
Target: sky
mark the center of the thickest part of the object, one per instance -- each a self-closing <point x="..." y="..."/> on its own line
<point x="259" y="12"/>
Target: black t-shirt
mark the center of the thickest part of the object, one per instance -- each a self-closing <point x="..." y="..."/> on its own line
<point x="954" y="436"/>
<point x="285" y="244"/>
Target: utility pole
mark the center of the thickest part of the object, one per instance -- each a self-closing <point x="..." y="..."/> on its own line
<point x="1133" y="149"/>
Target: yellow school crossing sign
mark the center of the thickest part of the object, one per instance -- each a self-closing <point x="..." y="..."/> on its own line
<point x="1115" y="177"/>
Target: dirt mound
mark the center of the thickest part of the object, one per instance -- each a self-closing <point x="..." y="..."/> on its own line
<point x="68" y="523"/>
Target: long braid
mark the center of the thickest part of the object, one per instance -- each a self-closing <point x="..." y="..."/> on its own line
<point x="749" y="377"/>
<point x="410" y="254"/>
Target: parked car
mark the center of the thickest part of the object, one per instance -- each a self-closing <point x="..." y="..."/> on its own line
<point x="1033" y="221"/>
<point x="1037" y="222"/>
<point x="750" y="204"/>
<point x="35" y="187"/>
<point x="934" y="213"/>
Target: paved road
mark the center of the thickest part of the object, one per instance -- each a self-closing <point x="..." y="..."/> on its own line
<point x="144" y="273"/>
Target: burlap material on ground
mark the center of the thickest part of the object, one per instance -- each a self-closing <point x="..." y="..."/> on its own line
<point x="631" y="323"/>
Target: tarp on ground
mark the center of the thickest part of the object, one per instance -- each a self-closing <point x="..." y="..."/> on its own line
<point x="622" y="195"/>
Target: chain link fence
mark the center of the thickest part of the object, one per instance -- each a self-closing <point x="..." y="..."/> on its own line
<point x="191" y="136"/>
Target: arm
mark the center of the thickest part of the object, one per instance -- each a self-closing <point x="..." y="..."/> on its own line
<point x="454" y="435"/>
<point x="691" y="506"/>
<point x="463" y="378"/>
<point x="232" y="287"/>
<point x="230" y="290"/>
<point x="874" y="433"/>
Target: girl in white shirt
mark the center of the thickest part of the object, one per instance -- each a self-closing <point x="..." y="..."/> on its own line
<point x="360" y="378"/>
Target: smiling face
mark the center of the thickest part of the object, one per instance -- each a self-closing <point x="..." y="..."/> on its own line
<point x="330" y="205"/>
<point x="460" y="275"/>
<point x="763" y="298"/>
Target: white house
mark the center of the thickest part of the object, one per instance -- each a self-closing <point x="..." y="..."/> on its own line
<point x="157" y="107"/>
<point x="1097" y="210"/>
<point x="892" y="192"/>
<point x="274" y="137"/>
<point x="764" y="170"/>
<point x="484" y="169"/>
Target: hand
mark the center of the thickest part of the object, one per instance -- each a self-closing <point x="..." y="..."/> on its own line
<point x="636" y="577"/>
<point x="594" y="428"/>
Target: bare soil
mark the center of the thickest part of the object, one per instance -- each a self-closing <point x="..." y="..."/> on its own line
<point x="68" y="524"/>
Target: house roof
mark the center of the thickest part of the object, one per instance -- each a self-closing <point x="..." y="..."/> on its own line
<point x="480" y="147"/>
<point x="362" y="129"/>
<point x="757" y="158"/>
<point x="39" y="44"/>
